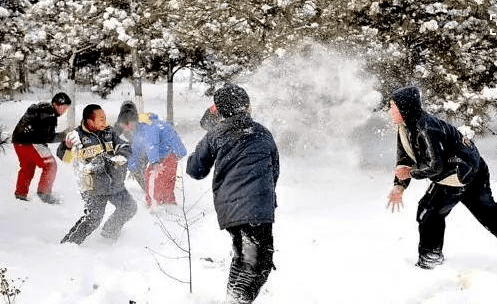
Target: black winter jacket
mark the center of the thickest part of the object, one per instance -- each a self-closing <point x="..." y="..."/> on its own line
<point x="246" y="170"/>
<point x="98" y="175"/>
<point x="37" y="126"/>
<point x="436" y="150"/>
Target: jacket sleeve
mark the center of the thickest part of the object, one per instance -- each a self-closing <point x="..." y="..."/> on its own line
<point x="62" y="150"/>
<point x="200" y="162"/>
<point x="150" y="140"/>
<point x="121" y="147"/>
<point x="209" y="120"/>
<point x="47" y="125"/>
<point x="402" y="159"/>
<point x="176" y="145"/>
<point x="58" y="137"/>
<point x="276" y="164"/>
<point x="431" y="150"/>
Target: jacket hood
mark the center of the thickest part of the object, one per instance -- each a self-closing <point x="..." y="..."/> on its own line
<point x="408" y="100"/>
<point x="147" y="118"/>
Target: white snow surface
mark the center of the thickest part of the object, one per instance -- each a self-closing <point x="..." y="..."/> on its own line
<point x="335" y="241"/>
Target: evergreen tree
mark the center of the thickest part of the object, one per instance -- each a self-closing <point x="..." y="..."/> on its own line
<point x="448" y="48"/>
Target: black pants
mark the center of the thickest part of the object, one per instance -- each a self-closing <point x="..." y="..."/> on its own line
<point x="252" y="261"/>
<point x="439" y="200"/>
<point x="94" y="213"/>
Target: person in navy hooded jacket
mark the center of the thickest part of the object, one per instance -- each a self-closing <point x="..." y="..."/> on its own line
<point x="246" y="163"/>
<point x="161" y="145"/>
<point x="429" y="148"/>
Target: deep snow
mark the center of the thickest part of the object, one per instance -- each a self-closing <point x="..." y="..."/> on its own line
<point x="335" y="240"/>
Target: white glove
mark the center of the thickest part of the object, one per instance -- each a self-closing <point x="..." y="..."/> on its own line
<point x="72" y="138"/>
<point x="119" y="160"/>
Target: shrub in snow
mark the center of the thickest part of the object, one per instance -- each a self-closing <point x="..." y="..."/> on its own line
<point x="7" y="287"/>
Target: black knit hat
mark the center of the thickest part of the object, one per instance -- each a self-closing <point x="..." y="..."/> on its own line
<point x="231" y="100"/>
<point x="61" y="99"/>
<point x="128" y="113"/>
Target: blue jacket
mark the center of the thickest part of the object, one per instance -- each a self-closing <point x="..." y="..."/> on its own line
<point x="246" y="163"/>
<point x="155" y="138"/>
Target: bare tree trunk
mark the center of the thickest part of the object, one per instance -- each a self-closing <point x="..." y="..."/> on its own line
<point x="137" y="81"/>
<point x="170" y="92"/>
<point x="23" y="79"/>
<point x="190" y="84"/>
<point x="71" y="112"/>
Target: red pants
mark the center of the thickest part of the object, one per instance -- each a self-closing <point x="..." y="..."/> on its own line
<point x="160" y="184"/>
<point x="30" y="156"/>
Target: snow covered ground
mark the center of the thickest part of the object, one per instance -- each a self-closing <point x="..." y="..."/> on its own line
<point x="335" y="241"/>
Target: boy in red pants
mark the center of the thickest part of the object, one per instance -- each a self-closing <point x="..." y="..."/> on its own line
<point x="161" y="144"/>
<point x="35" y="129"/>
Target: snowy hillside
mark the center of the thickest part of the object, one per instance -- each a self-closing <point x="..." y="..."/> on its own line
<point x="335" y="241"/>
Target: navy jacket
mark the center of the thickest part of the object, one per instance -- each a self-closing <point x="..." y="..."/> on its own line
<point x="433" y="148"/>
<point x="246" y="170"/>
<point x="37" y="126"/>
<point x="98" y="175"/>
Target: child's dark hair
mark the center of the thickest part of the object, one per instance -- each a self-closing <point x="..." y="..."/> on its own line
<point x="88" y="111"/>
<point x="128" y="113"/>
<point x="61" y="99"/>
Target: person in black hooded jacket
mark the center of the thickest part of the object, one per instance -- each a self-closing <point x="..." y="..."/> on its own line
<point x="246" y="170"/>
<point x="430" y="148"/>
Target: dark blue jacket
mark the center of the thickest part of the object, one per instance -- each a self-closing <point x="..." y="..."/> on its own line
<point x="246" y="170"/>
<point x="436" y="149"/>
<point x="98" y="175"/>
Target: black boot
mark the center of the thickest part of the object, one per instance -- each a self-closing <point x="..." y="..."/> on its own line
<point x="429" y="260"/>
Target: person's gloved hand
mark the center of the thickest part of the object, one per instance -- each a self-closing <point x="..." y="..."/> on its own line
<point x="119" y="160"/>
<point x="72" y="139"/>
<point x="395" y="198"/>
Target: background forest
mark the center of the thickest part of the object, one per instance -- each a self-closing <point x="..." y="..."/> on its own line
<point x="315" y="71"/>
<point x="448" y="48"/>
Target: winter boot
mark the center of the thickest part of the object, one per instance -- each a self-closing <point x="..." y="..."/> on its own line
<point x="22" y="197"/>
<point x="110" y="235"/>
<point x="48" y="198"/>
<point x="430" y="260"/>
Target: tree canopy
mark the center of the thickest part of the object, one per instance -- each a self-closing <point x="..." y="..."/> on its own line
<point x="448" y="48"/>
